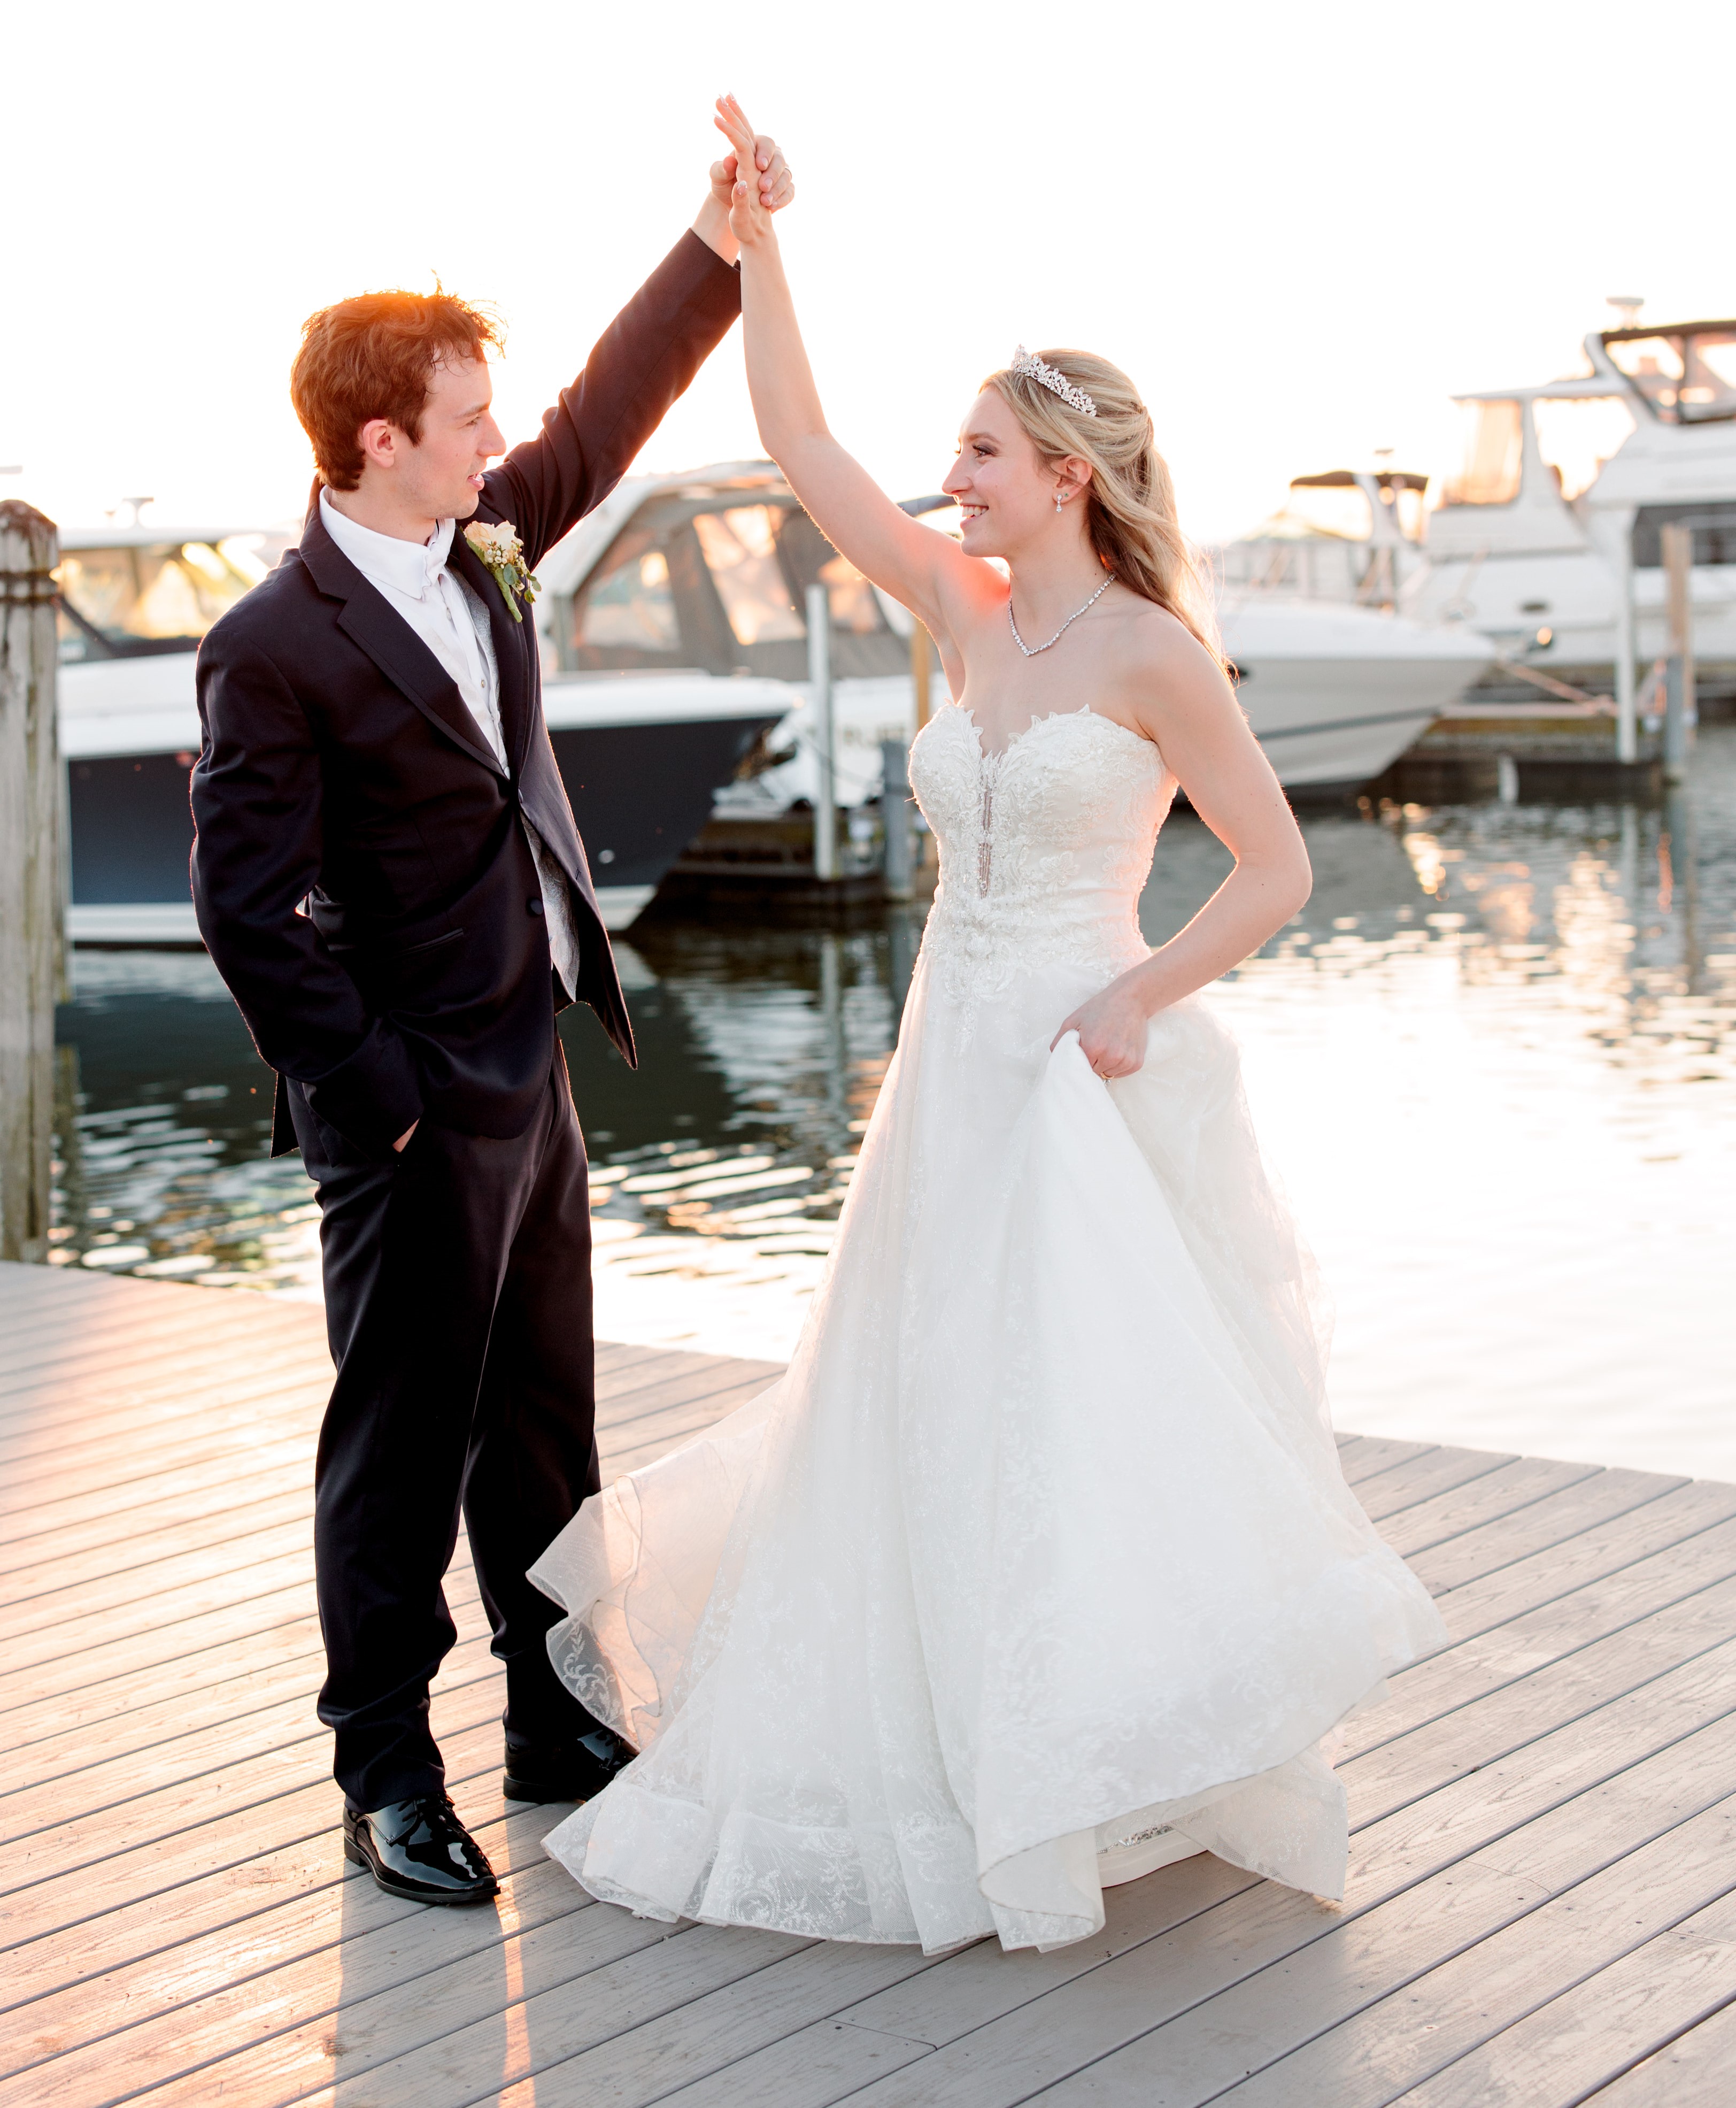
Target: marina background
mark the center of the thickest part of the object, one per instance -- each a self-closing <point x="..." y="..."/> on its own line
<point x="1491" y="1059"/>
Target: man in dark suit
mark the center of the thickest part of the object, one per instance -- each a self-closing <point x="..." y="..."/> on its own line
<point x="387" y="875"/>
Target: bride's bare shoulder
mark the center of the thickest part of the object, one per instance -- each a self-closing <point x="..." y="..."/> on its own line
<point x="1164" y="666"/>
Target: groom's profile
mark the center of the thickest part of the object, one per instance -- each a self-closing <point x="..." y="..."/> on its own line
<point x="388" y="875"/>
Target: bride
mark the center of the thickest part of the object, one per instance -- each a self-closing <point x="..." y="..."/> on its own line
<point x="1036" y="1569"/>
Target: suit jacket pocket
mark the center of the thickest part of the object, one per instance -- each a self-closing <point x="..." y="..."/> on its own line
<point x="384" y="952"/>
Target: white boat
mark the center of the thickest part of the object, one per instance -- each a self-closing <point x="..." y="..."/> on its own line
<point x="1546" y="537"/>
<point x="1336" y="693"/>
<point x="699" y="582"/>
<point x="701" y="577"/>
<point x="1350" y="535"/>
<point x="641" y="758"/>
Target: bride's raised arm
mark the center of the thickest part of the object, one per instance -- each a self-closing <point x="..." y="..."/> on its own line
<point x="929" y="572"/>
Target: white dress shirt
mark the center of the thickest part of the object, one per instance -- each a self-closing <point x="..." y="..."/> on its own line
<point x="443" y="610"/>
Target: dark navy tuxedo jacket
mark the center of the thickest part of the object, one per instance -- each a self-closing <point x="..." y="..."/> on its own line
<point x="359" y="871"/>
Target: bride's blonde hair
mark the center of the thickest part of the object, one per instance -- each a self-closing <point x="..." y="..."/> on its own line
<point x="1131" y="507"/>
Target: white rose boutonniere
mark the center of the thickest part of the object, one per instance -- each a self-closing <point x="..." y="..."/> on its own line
<point x="503" y="554"/>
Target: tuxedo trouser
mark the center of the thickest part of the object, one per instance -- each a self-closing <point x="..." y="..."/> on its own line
<point x="458" y="1308"/>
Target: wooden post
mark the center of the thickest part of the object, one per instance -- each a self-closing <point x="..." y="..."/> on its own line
<point x="922" y="650"/>
<point x="922" y="671"/>
<point x="1678" y="705"/>
<point x="32" y="915"/>
<point x="1627" y="725"/>
<point x="895" y="818"/>
<point x="819" y="687"/>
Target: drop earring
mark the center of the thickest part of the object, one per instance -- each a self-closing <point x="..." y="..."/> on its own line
<point x="1059" y="501"/>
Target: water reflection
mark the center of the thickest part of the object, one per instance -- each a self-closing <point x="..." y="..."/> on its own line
<point x="1492" y="1059"/>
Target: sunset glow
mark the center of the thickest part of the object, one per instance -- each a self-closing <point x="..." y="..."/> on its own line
<point x="1299" y="258"/>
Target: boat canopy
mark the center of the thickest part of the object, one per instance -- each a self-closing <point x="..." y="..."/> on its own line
<point x="1574" y="427"/>
<point x="710" y="576"/>
<point x="1338" y="505"/>
<point x="1684" y="373"/>
<point x="132" y="592"/>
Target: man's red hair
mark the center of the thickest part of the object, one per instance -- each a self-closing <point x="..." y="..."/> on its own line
<point x="373" y="357"/>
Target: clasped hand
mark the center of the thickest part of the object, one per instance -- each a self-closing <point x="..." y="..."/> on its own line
<point x="749" y="206"/>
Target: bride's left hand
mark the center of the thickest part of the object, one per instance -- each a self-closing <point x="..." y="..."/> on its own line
<point x="1112" y="1029"/>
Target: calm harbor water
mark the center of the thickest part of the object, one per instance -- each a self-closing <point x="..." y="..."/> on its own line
<point x="1493" y="1060"/>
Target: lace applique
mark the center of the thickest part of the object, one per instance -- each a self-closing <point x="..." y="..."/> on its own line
<point x="1056" y="831"/>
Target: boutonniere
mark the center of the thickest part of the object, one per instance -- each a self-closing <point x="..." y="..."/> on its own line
<point x="502" y="553"/>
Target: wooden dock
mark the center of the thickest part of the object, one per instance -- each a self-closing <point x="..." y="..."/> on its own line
<point x="1542" y="1902"/>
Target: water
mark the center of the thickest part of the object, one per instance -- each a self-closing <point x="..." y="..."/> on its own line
<point x="1492" y="1060"/>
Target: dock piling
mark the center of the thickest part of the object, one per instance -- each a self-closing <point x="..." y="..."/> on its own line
<point x="922" y="647"/>
<point x="32" y="910"/>
<point x="895" y="818"/>
<point x="1680" y="710"/>
<point x="819" y="687"/>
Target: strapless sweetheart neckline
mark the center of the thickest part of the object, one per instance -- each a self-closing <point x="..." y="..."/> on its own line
<point x="1048" y="717"/>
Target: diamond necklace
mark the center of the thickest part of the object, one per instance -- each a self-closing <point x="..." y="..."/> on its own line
<point x="1030" y="651"/>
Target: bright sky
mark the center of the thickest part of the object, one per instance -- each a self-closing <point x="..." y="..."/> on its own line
<point x="1298" y="228"/>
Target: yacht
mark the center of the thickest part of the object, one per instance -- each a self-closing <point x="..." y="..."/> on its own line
<point x="696" y="583"/>
<point x="1546" y="537"/>
<point x="700" y="579"/>
<point x="1352" y="535"/>
<point x="642" y="756"/>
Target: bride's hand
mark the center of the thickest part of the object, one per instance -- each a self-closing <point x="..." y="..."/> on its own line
<point x="777" y="186"/>
<point x="751" y="204"/>
<point x="1112" y="1029"/>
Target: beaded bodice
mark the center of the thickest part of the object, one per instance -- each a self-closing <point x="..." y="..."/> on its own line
<point x="1044" y="846"/>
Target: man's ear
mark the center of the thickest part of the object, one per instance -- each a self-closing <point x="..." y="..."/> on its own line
<point x="379" y="441"/>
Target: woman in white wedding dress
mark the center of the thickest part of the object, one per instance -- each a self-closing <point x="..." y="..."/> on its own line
<point x="1036" y="1569"/>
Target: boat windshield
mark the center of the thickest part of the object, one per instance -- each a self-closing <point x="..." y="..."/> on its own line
<point x="1576" y="435"/>
<point x="1340" y="506"/>
<point x="130" y="600"/>
<point x="1686" y="376"/>
<point x="1339" y="510"/>
<point x="1491" y="455"/>
<point x="700" y="581"/>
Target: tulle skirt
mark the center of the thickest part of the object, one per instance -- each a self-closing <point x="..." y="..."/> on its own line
<point x="1036" y="1567"/>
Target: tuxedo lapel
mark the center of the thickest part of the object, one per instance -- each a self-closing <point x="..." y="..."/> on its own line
<point x="391" y="643"/>
<point x="510" y="641"/>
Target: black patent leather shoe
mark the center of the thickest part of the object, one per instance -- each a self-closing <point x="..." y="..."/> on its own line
<point x="419" y="1848"/>
<point x="564" y="1771"/>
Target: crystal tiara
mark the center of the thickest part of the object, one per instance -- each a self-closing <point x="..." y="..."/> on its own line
<point x="1027" y="363"/>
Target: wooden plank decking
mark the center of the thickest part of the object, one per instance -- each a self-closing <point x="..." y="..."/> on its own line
<point x="1542" y="1905"/>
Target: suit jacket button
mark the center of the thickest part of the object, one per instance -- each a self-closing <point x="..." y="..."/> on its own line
<point x="534" y="905"/>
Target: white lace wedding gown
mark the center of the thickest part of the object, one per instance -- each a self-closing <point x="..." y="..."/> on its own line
<point x="1036" y="1569"/>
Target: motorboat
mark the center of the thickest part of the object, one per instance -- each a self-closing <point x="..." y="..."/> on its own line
<point x="642" y="757"/>
<point x="1335" y="693"/>
<point x="1546" y="536"/>
<point x="700" y="579"/>
<point x="1353" y="535"/>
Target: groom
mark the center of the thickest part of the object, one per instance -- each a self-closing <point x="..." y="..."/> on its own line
<point x="388" y="875"/>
